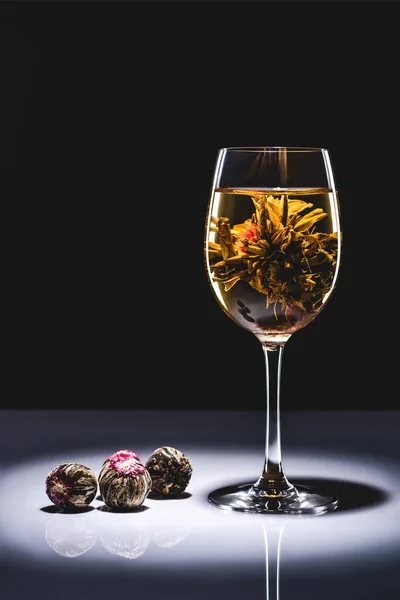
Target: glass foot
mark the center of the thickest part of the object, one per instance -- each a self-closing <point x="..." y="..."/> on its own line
<point x="246" y="498"/>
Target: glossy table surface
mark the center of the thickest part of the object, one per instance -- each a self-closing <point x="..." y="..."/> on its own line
<point x="186" y="548"/>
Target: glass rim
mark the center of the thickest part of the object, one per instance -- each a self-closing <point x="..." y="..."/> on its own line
<point x="272" y="149"/>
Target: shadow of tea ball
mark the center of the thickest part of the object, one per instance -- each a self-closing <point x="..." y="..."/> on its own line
<point x="71" y="486"/>
<point x="124" y="481"/>
<point x="170" y="471"/>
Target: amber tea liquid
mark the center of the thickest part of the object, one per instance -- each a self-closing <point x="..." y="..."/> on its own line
<point x="272" y="255"/>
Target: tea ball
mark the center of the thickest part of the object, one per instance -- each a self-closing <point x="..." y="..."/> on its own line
<point x="170" y="471"/>
<point x="124" y="481"/>
<point x="71" y="486"/>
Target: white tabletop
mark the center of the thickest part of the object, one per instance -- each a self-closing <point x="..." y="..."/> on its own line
<point x="187" y="548"/>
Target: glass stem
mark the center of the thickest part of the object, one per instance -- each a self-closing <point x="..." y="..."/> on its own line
<point x="273" y="481"/>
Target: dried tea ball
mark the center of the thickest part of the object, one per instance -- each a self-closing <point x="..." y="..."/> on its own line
<point x="124" y="481"/>
<point x="71" y="486"/>
<point x="170" y="471"/>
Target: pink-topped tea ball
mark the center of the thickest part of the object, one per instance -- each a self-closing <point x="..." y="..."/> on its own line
<point x="71" y="486"/>
<point x="124" y="481"/>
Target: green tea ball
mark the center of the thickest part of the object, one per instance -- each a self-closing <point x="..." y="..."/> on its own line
<point x="124" y="481"/>
<point x="170" y="471"/>
<point x="71" y="486"/>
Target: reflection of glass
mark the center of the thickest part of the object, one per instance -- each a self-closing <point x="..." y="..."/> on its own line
<point x="272" y="254"/>
<point x="71" y="535"/>
<point x="272" y="538"/>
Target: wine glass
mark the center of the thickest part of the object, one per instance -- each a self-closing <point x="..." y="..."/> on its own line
<point x="272" y="256"/>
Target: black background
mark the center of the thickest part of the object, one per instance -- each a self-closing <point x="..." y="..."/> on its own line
<point x="113" y="113"/>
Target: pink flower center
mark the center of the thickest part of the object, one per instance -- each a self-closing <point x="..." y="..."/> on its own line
<point x="126" y="462"/>
<point x="250" y="234"/>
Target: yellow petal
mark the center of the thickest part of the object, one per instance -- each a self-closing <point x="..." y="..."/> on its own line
<point x="310" y="219"/>
<point x="296" y="206"/>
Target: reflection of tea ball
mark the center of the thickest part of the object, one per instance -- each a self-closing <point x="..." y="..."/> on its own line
<point x="71" y="535"/>
<point x="71" y="486"/>
<point x="124" y="539"/>
<point x="124" y="481"/>
<point x="170" y="535"/>
<point x="170" y="471"/>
